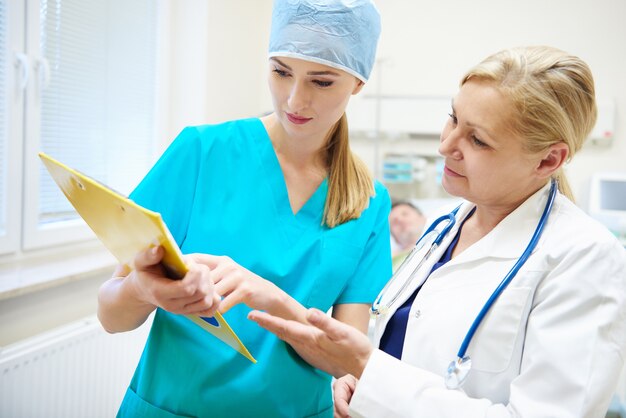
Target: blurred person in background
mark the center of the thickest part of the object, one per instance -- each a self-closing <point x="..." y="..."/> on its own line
<point x="406" y="223"/>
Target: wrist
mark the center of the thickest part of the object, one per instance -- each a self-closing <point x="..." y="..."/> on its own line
<point x="133" y="292"/>
<point x="361" y="363"/>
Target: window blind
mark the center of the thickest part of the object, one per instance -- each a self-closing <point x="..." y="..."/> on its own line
<point x="98" y="102"/>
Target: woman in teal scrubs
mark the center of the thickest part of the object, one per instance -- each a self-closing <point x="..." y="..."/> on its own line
<point x="275" y="214"/>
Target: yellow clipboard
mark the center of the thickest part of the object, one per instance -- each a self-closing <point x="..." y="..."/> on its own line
<point x="125" y="229"/>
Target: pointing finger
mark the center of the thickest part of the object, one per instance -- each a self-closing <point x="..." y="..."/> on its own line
<point x="289" y="331"/>
<point x="207" y="259"/>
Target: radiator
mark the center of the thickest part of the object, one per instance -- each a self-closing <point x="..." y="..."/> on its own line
<point x="75" y="371"/>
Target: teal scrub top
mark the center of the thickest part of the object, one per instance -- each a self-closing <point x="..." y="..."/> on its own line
<point x="221" y="191"/>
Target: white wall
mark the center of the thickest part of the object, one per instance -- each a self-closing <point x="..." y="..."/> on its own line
<point x="427" y="46"/>
<point x="218" y="61"/>
<point x="33" y="313"/>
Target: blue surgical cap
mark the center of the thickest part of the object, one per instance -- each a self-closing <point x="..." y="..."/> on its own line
<point x="339" y="33"/>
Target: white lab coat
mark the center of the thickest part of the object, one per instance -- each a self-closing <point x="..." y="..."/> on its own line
<point x="551" y="346"/>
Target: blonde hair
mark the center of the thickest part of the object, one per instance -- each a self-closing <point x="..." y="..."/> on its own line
<point x="553" y="95"/>
<point x="350" y="184"/>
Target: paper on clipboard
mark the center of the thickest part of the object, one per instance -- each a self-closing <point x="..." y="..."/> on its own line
<point x="125" y="229"/>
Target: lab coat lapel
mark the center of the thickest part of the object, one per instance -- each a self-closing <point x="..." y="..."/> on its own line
<point x="511" y="236"/>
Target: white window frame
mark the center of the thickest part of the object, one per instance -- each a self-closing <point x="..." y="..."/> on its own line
<point x="26" y="242"/>
<point x="10" y="241"/>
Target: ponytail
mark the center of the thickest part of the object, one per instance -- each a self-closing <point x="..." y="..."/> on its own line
<point x="350" y="184"/>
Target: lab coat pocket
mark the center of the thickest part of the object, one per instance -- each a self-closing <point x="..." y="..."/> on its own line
<point x="338" y="260"/>
<point x="500" y="332"/>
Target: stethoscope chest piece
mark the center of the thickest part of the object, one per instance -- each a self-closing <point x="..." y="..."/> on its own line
<point x="457" y="372"/>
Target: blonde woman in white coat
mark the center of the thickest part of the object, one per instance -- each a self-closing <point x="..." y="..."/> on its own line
<point x="554" y="342"/>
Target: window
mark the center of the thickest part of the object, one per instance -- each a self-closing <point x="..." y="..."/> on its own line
<point x="10" y="109"/>
<point x="77" y="81"/>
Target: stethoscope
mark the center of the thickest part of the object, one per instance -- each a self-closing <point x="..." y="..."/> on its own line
<point x="458" y="369"/>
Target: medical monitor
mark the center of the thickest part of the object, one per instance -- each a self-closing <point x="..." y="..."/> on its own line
<point x="607" y="201"/>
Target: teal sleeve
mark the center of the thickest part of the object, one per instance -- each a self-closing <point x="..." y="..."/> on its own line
<point x="374" y="267"/>
<point x="169" y="187"/>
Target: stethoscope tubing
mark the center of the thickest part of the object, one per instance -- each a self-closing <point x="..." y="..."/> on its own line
<point x="532" y="244"/>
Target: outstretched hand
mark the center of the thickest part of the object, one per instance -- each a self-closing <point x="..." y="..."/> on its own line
<point x="324" y="342"/>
